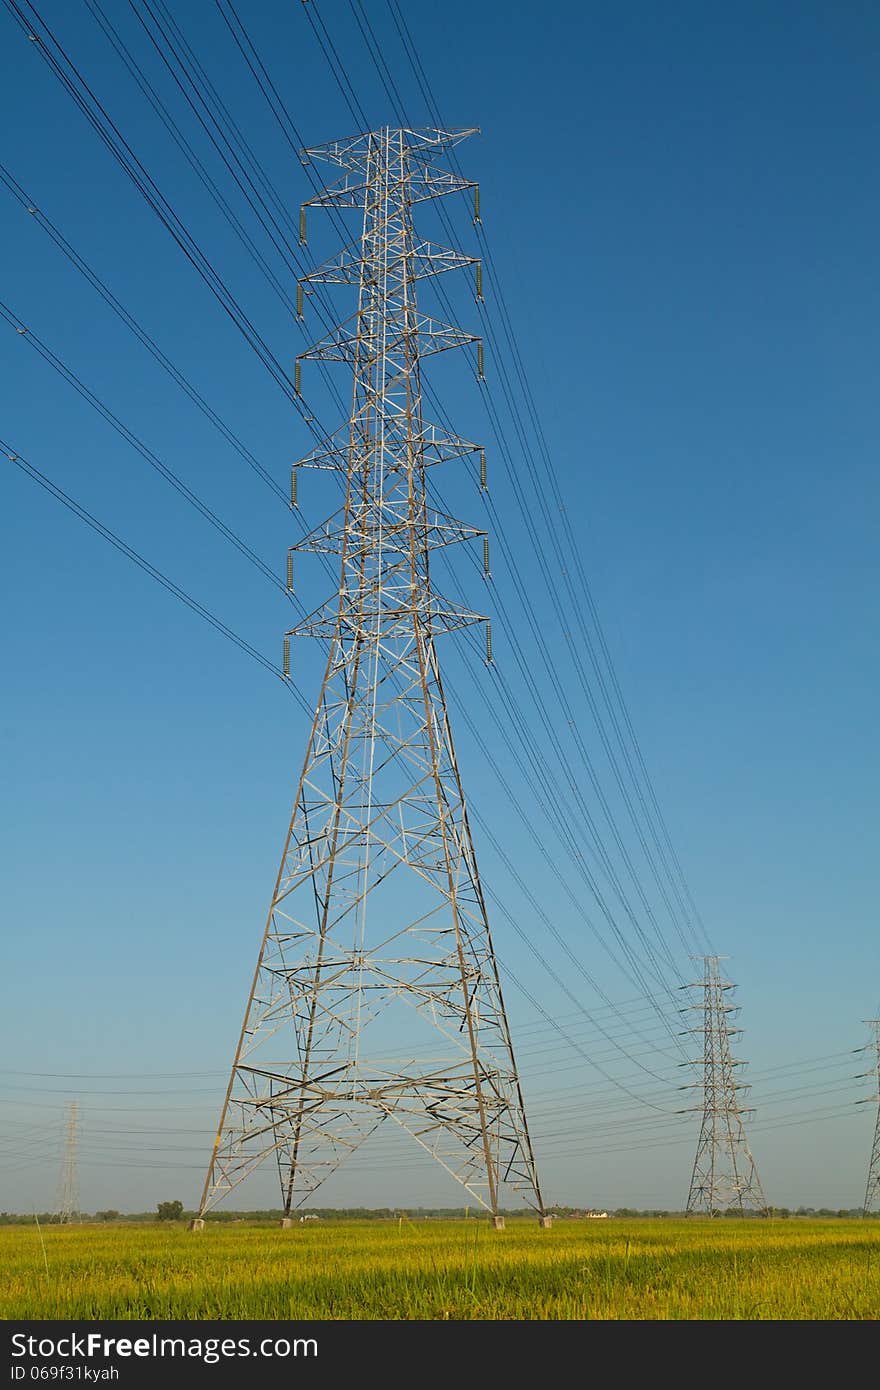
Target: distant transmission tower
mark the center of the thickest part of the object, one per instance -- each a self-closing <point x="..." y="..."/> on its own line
<point x="724" y="1177"/>
<point x="378" y="913"/>
<point x="67" y="1203"/>
<point x="872" y="1191"/>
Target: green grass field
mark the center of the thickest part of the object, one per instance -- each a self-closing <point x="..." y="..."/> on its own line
<point x="445" y="1269"/>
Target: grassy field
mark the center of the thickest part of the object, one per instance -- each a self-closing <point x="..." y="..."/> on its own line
<point x="445" y="1269"/>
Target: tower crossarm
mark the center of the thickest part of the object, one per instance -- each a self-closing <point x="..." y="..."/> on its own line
<point x="700" y="1061"/>
<point x="431" y="446"/>
<point x="345" y="343"/>
<point x="352" y="191"/>
<point x="375" y="612"/>
<point x="686" y="1032"/>
<point x="354" y="151"/>
<point x="437" y="530"/>
<point x="426" y="258"/>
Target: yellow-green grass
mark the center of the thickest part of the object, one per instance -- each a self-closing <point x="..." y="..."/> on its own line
<point x="444" y="1269"/>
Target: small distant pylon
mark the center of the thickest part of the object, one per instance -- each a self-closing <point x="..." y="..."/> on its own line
<point x="724" y="1177"/>
<point x="872" y="1190"/>
<point x="67" y="1205"/>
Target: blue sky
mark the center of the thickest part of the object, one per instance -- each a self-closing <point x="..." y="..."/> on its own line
<point x="680" y="204"/>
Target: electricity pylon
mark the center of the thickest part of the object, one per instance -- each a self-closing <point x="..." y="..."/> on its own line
<point x="872" y="1190"/>
<point x="67" y="1202"/>
<point x="378" y="912"/>
<point x="724" y="1177"/>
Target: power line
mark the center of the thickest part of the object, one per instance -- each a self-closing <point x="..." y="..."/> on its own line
<point x="116" y="541"/>
<point x="136" y="443"/>
<point x="250" y="58"/>
<point x="336" y="56"/>
<point x="97" y="116"/>
<point x="282" y="116"/>
<point x="140" y="332"/>
<point x="509" y="394"/>
<point x="411" y="51"/>
<point x="536" y="631"/>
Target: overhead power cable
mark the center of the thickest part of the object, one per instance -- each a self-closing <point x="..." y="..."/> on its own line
<point x="524" y="598"/>
<point x="140" y="332"/>
<point x="548" y="660"/>
<point x="393" y="94"/>
<point x="122" y="546"/>
<point x="36" y="29"/>
<point x="136" y="443"/>
<point x="259" y="72"/>
<point x="574" y="549"/>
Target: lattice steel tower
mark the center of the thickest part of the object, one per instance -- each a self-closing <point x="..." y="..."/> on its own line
<point x="378" y="912"/>
<point x="724" y="1176"/>
<point x="872" y="1190"/>
<point x="67" y="1202"/>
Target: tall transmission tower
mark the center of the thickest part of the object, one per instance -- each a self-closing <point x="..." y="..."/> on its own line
<point x="378" y="913"/>
<point x="724" y="1177"/>
<point x="872" y="1190"/>
<point x="67" y="1202"/>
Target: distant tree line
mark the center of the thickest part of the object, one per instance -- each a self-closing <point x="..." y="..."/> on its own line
<point x="175" y="1211"/>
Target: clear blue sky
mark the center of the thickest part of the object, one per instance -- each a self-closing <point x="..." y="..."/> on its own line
<point x="682" y="205"/>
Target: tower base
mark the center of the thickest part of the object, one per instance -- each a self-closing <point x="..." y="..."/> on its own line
<point x="285" y="1223"/>
<point x="497" y="1223"/>
<point x="545" y="1222"/>
<point x="197" y="1224"/>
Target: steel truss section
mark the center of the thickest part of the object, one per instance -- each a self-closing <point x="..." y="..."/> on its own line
<point x="724" y="1175"/>
<point x="67" y="1202"/>
<point x="440" y="529"/>
<point x="377" y="926"/>
<point x="427" y="258"/>
<point x="345" y="343"/>
<point x="872" y="1189"/>
<point x="431" y="445"/>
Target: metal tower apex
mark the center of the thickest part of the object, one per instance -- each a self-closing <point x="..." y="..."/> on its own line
<point x="351" y="153"/>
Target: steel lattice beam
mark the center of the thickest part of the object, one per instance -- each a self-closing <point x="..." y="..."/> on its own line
<point x="724" y="1175"/>
<point x="378" y="912"/>
<point x="872" y="1189"/>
